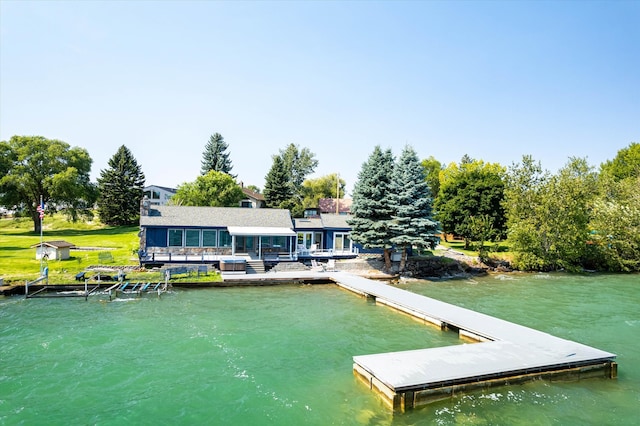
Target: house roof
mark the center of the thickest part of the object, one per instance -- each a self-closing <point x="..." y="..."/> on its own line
<point x="55" y="244"/>
<point x="252" y="194"/>
<point x="164" y="188"/>
<point x="335" y="221"/>
<point x="216" y="217"/>
<point x="325" y="221"/>
<point x="328" y="205"/>
<point x="308" y="223"/>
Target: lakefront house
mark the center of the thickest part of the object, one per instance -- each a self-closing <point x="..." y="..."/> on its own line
<point x="184" y="234"/>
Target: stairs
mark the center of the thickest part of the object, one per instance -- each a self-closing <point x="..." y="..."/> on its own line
<point x="255" y="266"/>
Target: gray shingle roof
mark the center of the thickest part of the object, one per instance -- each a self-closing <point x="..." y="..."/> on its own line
<point x="216" y="217"/>
<point x="335" y="221"/>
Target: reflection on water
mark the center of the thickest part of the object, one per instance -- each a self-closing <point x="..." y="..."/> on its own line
<point x="282" y="355"/>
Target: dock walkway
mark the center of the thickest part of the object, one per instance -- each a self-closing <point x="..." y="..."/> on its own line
<point x="508" y="352"/>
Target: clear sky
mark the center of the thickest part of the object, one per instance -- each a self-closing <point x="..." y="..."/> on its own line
<point x="494" y="80"/>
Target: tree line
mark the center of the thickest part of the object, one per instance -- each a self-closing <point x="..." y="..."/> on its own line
<point x="577" y="218"/>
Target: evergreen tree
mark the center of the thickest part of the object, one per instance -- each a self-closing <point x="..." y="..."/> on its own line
<point x="216" y="157"/>
<point x="277" y="188"/>
<point x="413" y="223"/>
<point x="372" y="206"/>
<point x="121" y="187"/>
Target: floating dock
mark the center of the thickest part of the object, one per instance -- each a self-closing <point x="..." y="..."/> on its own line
<point x="507" y="353"/>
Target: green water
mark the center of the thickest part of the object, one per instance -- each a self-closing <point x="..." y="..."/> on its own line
<point x="283" y="355"/>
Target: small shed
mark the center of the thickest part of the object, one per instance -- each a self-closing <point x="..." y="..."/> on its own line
<point x="53" y="250"/>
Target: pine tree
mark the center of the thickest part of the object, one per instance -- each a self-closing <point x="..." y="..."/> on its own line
<point x="372" y="207"/>
<point x="413" y="223"/>
<point x="277" y="188"/>
<point x="216" y="157"/>
<point x="121" y="188"/>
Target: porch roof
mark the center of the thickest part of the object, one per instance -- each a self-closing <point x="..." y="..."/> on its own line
<point x="260" y="231"/>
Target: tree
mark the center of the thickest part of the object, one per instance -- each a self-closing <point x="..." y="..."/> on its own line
<point x="548" y="216"/>
<point x="37" y="167"/>
<point x="277" y="190"/>
<point x="329" y="186"/>
<point x="432" y="169"/>
<point x="372" y="207"/>
<point x="214" y="189"/>
<point x="215" y="156"/>
<point x="412" y="222"/>
<point x="472" y="189"/>
<point x="625" y="164"/>
<point x="615" y="224"/>
<point x="296" y="165"/>
<point x="121" y="188"/>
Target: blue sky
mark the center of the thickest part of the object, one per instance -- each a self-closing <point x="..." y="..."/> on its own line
<point x="494" y="80"/>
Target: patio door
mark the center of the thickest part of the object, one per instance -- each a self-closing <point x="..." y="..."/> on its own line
<point x="341" y="242"/>
<point x="245" y="244"/>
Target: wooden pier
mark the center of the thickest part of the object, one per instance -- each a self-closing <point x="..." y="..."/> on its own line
<point x="507" y="353"/>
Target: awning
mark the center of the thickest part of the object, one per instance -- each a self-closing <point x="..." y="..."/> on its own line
<point x="260" y="231"/>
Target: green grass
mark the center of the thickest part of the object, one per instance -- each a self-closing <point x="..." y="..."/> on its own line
<point x="499" y="250"/>
<point x="18" y="263"/>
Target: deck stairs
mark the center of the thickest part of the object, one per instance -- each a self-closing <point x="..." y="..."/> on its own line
<point x="255" y="266"/>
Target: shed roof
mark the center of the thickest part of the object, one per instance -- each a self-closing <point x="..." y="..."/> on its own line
<point x="216" y="217"/>
<point x="55" y="244"/>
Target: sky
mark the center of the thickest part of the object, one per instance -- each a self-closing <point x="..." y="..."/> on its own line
<point x="495" y="80"/>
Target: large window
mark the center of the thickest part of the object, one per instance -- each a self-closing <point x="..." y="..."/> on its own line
<point x="175" y="237"/>
<point x="342" y="242"/>
<point x="192" y="238"/>
<point x="225" y="239"/>
<point x="209" y="238"/>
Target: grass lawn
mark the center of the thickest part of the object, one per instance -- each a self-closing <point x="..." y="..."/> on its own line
<point x="18" y="261"/>
<point x="500" y="250"/>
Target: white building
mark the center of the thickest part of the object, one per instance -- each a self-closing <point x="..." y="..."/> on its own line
<point x="159" y="195"/>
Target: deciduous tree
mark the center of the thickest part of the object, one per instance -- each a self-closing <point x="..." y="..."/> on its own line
<point x="548" y="215"/>
<point x="432" y="169"/>
<point x="329" y="186"/>
<point x="36" y="167"/>
<point x="214" y="189"/>
<point x="471" y="189"/>
<point x="625" y="164"/>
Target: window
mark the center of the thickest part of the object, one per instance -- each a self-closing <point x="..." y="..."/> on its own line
<point x="209" y="238"/>
<point x="225" y="239"/>
<point x="342" y="242"/>
<point x="192" y="238"/>
<point x="175" y="237"/>
<point x="246" y="204"/>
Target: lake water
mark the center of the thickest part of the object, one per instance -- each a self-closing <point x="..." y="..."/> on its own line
<point x="283" y="355"/>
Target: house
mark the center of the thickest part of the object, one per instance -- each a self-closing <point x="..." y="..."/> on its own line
<point x="159" y="195"/>
<point x="252" y="199"/>
<point x="324" y="235"/>
<point x="53" y="250"/>
<point x="170" y="234"/>
<point x="206" y="234"/>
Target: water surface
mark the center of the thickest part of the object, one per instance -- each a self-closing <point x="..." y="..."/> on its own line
<point x="283" y="355"/>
